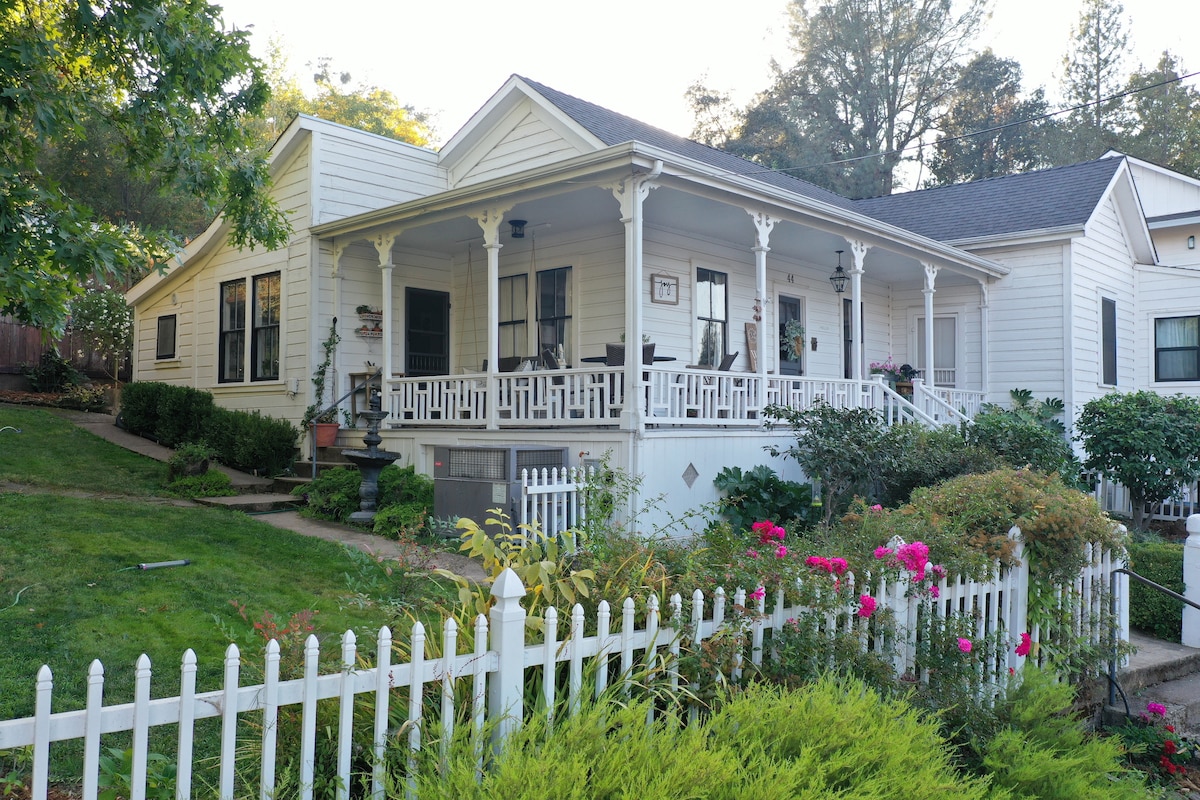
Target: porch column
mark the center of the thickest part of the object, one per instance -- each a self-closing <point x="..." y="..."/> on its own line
<point x="859" y="251"/>
<point x="985" y="334"/>
<point x="489" y="222"/>
<point x="930" y="277"/>
<point x="631" y="193"/>
<point x="763" y="223"/>
<point x="383" y="246"/>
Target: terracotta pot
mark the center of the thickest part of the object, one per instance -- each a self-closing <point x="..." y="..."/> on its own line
<point x="326" y="433"/>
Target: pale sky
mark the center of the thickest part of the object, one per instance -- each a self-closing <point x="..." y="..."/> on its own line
<point x="636" y="58"/>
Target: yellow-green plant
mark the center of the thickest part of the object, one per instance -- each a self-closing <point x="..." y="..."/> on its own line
<point x="542" y="562"/>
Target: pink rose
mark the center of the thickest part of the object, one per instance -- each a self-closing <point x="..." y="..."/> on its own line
<point x="964" y="645"/>
<point x="757" y="594"/>
<point x="1025" y="645"/>
<point x="866" y="606"/>
<point x="882" y="552"/>
<point x="781" y="552"/>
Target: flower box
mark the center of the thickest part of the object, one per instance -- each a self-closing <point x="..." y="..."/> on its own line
<point x="367" y="333"/>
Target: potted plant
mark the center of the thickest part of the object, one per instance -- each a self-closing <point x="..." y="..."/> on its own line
<point x="904" y="378"/>
<point x="323" y="421"/>
<point x="793" y="339"/>
<point x="887" y="368"/>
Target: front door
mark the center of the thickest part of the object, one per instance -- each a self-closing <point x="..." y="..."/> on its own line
<point x="791" y="348"/>
<point x="427" y="332"/>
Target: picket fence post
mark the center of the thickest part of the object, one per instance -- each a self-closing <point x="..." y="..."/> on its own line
<point x="506" y="688"/>
<point x="1191" y="583"/>
<point x="1018" y="609"/>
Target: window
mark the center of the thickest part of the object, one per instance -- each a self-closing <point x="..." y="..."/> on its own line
<point x="232" y="336"/>
<point x="264" y="345"/>
<point x="165" y="344"/>
<point x="945" y="357"/>
<point x="554" y="309"/>
<point x="1177" y="349"/>
<point x="1108" y="334"/>
<point x="711" y="316"/>
<point x="514" y="336"/>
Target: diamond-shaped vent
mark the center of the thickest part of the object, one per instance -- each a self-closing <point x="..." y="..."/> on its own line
<point x="690" y="474"/>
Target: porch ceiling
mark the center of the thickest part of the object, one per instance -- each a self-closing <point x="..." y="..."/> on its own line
<point x="588" y="203"/>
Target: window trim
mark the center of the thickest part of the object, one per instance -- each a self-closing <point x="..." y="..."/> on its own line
<point x="160" y="354"/>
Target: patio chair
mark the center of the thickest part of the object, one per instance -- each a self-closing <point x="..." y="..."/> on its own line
<point x="509" y="363"/>
<point x="727" y="361"/>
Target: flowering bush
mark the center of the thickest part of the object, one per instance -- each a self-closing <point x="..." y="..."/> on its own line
<point x="1154" y="745"/>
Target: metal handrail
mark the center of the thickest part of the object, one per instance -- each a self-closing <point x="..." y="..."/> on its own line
<point x="1112" y="599"/>
<point x="312" y="425"/>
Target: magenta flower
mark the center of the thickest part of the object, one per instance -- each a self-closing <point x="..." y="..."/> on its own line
<point x="934" y="591"/>
<point x="915" y="557"/>
<point x="838" y="566"/>
<point x="882" y="552"/>
<point x="939" y="570"/>
<point x="964" y="645"/>
<point x="768" y="531"/>
<point x="877" y="508"/>
<point x="813" y="561"/>
<point x="866" y="606"/>
<point x="781" y="551"/>
<point x="1157" y="709"/>
<point x="1025" y="645"/>
<point x="757" y="594"/>
<point x="752" y="553"/>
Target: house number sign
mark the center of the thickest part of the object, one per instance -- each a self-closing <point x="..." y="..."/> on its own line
<point x="664" y="289"/>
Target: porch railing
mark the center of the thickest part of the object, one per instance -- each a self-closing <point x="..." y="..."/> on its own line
<point x="668" y="395"/>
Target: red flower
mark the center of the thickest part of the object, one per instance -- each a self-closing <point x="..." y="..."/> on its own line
<point x="1169" y="747"/>
<point x="1026" y="644"/>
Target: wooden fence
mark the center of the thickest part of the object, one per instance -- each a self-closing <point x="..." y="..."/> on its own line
<point x="492" y="668"/>
<point x="21" y="344"/>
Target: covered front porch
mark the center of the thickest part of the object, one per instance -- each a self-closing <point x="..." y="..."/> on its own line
<point x="493" y="307"/>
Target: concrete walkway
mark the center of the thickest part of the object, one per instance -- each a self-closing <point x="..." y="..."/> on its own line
<point x="104" y="426"/>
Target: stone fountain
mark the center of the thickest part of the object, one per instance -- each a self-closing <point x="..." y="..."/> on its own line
<point x="370" y="462"/>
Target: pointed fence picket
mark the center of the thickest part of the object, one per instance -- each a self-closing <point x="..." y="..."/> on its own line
<point x="496" y="671"/>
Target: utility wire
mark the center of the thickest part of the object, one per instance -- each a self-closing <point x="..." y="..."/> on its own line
<point x="993" y="129"/>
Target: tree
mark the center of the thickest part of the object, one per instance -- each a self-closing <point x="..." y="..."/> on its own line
<point x="172" y="88"/>
<point x="105" y="321"/>
<point x="1163" y="123"/>
<point x="368" y="108"/>
<point x="1148" y="443"/>
<point x="870" y="77"/>
<point x="983" y="135"/>
<point x="1093" y="74"/>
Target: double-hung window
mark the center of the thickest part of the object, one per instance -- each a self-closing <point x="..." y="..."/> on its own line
<point x="1108" y="336"/>
<point x="554" y="310"/>
<point x="232" y="334"/>
<point x="1177" y="349"/>
<point x="514" y="336"/>
<point x="264" y="344"/>
<point x="712" y="316"/>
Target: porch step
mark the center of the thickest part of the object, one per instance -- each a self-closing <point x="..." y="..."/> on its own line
<point x="253" y="503"/>
<point x="1160" y="672"/>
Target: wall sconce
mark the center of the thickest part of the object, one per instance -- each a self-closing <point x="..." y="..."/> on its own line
<point x="839" y="276"/>
<point x="518" y="228"/>
<point x="1191" y="243"/>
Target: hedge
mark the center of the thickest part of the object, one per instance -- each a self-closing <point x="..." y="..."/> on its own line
<point x="176" y="415"/>
<point x="1150" y="611"/>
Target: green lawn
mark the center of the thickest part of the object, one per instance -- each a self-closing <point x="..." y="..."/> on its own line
<point x="70" y="591"/>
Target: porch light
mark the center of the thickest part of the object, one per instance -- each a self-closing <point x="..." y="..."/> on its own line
<point x="518" y="228"/>
<point x="839" y="276"/>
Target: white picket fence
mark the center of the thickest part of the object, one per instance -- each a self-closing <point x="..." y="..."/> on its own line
<point x="494" y="674"/>
<point x="553" y="500"/>
<point x="1114" y="498"/>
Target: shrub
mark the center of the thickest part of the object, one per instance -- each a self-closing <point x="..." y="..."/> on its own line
<point x="1056" y="522"/>
<point x="334" y="494"/>
<point x="916" y="456"/>
<point x="833" y="738"/>
<point x="759" y="493"/>
<point x="1023" y="442"/>
<point x="84" y="398"/>
<point x="1149" y="611"/>
<point x="173" y="415"/>
<point x="1042" y="750"/>
<point x="213" y="483"/>
<point x="52" y="373"/>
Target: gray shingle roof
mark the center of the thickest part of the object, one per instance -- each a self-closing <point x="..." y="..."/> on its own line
<point x="613" y="128"/>
<point x="1048" y="198"/>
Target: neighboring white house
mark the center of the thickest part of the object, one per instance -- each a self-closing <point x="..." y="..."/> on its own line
<point x="552" y="229"/>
